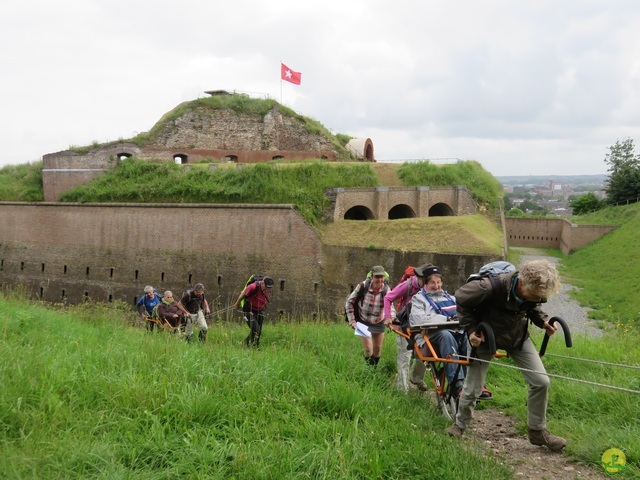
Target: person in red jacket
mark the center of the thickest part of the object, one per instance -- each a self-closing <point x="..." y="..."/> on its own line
<point x="256" y="296"/>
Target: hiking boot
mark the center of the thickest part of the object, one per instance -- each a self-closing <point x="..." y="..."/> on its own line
<point x="547" y="439"/>
<point x="420" y="385"/>
<point x="455" y="431"/>
<point x="485" y="395"/>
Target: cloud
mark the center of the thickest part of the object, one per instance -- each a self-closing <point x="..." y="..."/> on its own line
<point x="541" y="87"/>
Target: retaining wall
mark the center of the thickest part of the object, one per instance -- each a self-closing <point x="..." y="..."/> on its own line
<point x="105" y="252"/>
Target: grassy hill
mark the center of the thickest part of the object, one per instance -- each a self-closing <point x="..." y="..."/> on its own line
<point x="607" y="270"/>
<point x="87" y="395"/>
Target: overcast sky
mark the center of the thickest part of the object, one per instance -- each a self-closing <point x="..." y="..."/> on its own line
<point x="524" y="87"/>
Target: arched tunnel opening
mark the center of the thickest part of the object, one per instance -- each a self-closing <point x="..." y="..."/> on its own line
<point x="359" y="212"/>
<point x="441" y="210"/>
<point x="401" y="211"/>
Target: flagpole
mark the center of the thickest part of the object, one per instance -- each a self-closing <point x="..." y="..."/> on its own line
<point x="280" y="82"/>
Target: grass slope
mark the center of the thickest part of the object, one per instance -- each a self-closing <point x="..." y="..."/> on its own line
<point x="469" y="234"/>
<point x="607" y="270"/>
<point x="85" y="395"/>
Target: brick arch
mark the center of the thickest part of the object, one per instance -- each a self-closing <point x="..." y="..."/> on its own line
<point x="359" y="212"/>
<point x="401" y="211"/>
<point x="441" y="210"/>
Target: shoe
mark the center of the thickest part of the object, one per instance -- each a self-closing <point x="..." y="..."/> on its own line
<point x="455" y="431"/>
<point x="485" y="395"/>
<point x="420" y="385"/>
<point x="545" y="438"/>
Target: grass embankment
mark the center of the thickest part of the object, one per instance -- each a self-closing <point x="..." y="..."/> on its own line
<point x="468" y="234"/>
<point x="87" y="396"/>
<point x="607" y="271"/>
<point x="21" y="183"/>
<point x="302" y="184"/>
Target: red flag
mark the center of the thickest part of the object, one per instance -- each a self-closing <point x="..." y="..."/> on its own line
<point x="289" y="75"/>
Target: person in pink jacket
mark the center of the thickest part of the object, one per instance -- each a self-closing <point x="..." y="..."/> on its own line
<point x="409" y="285"/>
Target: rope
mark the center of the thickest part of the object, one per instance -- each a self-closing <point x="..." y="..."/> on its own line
<point x="592" y="361"/>
<point x="628" y="390"/>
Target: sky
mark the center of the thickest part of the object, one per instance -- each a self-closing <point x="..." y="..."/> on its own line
<point x="523" y="87"/>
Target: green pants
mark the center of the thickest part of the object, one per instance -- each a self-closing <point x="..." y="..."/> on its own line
<point x="527" y="358"/>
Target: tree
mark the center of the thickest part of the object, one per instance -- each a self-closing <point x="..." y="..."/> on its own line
<point x="623" y="184"/>
<point x="515" y="212"/>
<point x="585" y="204"/>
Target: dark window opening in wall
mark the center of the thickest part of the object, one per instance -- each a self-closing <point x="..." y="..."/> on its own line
<point x="123" y="156"/>
<point x="282" y="285"/>
<point x="162" y="277"/>
<point x="85" y="296"/>
<point x="324" y="157"/>
<point x="316" y="287"/>
<point x="441" y="210"/>
<point x="21" y="265"/>
<point x="110" y="298"/>
<point x="190" y="278"/>
<point x="2" y="264"/>
<point x="401" y="211"/>
<point x="42" y="267"/>
<point x="111" y="271"/>
<point x="87" y="271"/>
<point x="231" y="158"/>
<point x="135" y="300"/>
<point x="64" y="295"/>
<point x="359" y="212"/>
<point x="64" y="269"/>
<point x="277" y="157"/>
<point x="136" y="274"/>
<point x="180" y="158"/>
<point x="41" y="292"/>
<point x="219" y="280"/>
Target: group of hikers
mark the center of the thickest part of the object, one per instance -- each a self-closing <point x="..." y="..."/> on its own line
<point x="506" y="301"/>
<point x="192" y="308"/>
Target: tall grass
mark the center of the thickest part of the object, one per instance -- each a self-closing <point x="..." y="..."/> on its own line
<point x="303" y="185"/>
<point x="21" y="183"/>
<point x="482" y="186"/>
<point x="85" y="395"/>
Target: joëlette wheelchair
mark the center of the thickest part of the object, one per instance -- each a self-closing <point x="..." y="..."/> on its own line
<point x="446" y="398"/>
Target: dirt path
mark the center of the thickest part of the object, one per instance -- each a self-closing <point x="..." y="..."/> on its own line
<point x="493" y="431"/>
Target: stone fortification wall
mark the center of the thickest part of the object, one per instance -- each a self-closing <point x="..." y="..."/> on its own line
<point x="105" y="252"/>
<point x="552" y="233"/>
<point x="223" y="129"/>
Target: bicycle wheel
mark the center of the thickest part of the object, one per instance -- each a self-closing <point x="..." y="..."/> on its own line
<point x="447" y="404"/>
